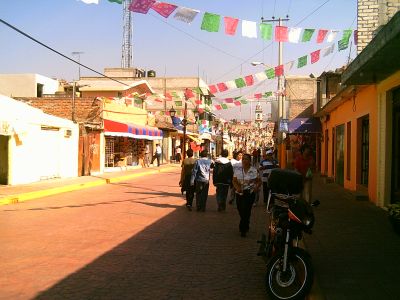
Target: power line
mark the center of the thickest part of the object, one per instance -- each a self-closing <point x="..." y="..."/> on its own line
<point x="59" y="53"/>
<point x="311" y="13"/>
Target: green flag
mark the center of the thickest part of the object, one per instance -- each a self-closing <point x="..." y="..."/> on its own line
<point x="138" y="101"/>
<point x="116" y="1"/>
<point x="307" y="34"/>
<point x="266" y="31"/>
<point x="197" y="90"/>
<point x="270" y="73"/>
<point x="210" y="22"/>
<point x="243" y="101"/>
<point x="267" y="94"/>
<point x="174" y="94"/>
<point x="208" y="101"/>
<point x="224" y="106"/>
<point x="344" y="42"/>
<point x="178" y="103"/>
<point x="302" y="61"/>
<point x="240" y="82"/>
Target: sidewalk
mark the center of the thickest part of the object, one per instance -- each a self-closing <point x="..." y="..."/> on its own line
<point x="25" y="192"/>
<point x="355" y="252"/>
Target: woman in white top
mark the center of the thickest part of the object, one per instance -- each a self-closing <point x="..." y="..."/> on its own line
<point x="236" y="162"/>
<point x="246" y="183"/>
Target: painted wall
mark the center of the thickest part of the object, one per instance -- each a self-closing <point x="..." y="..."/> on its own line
<point x="364" y="103"/>
<point x="30" y="161"/>
<point x="24" y="85"/>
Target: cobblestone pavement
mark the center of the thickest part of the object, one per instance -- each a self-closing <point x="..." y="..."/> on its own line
<point x="128" y="240"/>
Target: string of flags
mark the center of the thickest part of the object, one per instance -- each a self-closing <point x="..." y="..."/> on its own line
<point x="273" y="72"/>
<point x="212" y="22"/>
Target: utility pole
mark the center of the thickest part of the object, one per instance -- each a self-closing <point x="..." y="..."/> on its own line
<point x="281" y="99"/>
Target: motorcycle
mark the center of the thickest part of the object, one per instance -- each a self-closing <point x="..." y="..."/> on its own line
<point x="289" y="267"/>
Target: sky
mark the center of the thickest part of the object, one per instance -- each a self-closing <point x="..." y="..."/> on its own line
<point x="170" y="47"/>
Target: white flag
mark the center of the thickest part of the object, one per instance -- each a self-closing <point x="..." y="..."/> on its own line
<point x="288" y="66"/>
<point x="329" y="50"/>
<point x="332" y="35"/>
<point x="185" y="14"/>
<point x="249" y="29"/>
<point x="294" y="34"/>
<point x="90" y="1"/>
<point x="230" y="84"/>
<point x="261" y="76"/>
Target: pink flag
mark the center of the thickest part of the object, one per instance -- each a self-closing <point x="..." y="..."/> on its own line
<point x="230" y="25"/>
<point x="164" y="9"/>
<point x="279" y="70"/>
<point x="315" y="56"/>
<point x="222" y="87"/>
<point x="141" y="6"/>
<point x="197" y="101"/>
<point x="281" y="34"/>
<point x="229" y="100"/>
<point x="168" y="96"/>
<point x="158" y="100"/>
<point x="249" y="80"/>
<point x="218" y="107"/>
<point x="321" y="35"/>
<point x="258" y="96"/>
<point x="212" y="89"/>
<point x="189" y="93"/>
<point x="201" y="110"/>
<point x="238" y="103"/>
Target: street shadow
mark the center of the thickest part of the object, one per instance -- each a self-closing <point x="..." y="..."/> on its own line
<point x="184" y="255"/>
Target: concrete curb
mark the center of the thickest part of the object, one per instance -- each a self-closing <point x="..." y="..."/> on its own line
<point x="18" y="198"/>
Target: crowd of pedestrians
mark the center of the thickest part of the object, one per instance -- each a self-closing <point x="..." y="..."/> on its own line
<point x="240" y="178"/>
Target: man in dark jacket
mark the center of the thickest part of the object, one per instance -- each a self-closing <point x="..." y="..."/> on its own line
<point x="222" y="178"/>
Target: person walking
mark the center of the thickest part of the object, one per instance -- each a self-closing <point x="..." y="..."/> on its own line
<point x="147" y="156"/>
<point x="178" y="156"/>
<point x="186" y="173"/>
<point x="200" y="179"/>
<point x="236" y="162"/>
<point x="157" y="155"/>
<point x="246" y="183"/>
<point x="303" y="164"/>
<point x="266" y="165"/>
<point x="222" y="178"/>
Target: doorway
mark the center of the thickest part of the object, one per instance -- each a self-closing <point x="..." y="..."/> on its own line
<point x="395" y="191"/>
<point x="4" y="159"/>
<point x="364" y="150"/>
<point x="339" y="155"/>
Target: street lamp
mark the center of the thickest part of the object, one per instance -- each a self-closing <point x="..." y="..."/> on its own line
<point x="184" y="122"/>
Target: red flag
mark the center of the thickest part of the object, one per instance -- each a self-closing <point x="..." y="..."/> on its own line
<point x="229" y="100"/>
<point x="249" y="80"/>
<point x="321" y="35"/>
<point x="201" y="110"/>
<point x="355" y="37"/>
<point x="164" y="9"/>
<point x="189" y="93"/>
<point x="281" y="34"/>
<point x="258" y="96"/>
<point x="222" y="87"/>
<point x="315" y="56"/>
<point x="212" y="89"/>
<point x="238" y="103"/>
<point x="218" y="107"/>
<point x="197" y="101"/>
<point x="158" y="100"/>
<point x="279" y="70"/>
<point x="168" y="96"/>
<point x="230" y="25"/>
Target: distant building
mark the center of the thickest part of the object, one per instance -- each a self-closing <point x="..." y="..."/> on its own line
<point x="27" y="85"/>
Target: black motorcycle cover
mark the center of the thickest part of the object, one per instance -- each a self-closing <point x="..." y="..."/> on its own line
<point x="284" y="181"/>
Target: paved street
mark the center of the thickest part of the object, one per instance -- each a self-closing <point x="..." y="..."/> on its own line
<point x="127" y="240"/>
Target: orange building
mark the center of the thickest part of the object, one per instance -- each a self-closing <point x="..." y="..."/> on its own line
<point x="360" y="145"/>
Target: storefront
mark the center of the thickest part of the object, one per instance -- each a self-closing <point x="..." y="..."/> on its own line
<point x="125" y="143"/>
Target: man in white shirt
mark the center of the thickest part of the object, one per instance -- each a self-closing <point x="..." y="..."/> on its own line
<point x="157" y="155"/>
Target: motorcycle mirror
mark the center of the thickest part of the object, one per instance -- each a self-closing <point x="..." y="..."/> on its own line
<point x="315" y="203"/>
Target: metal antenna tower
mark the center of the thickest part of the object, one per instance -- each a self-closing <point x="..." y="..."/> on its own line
<point x="126" y="61"/>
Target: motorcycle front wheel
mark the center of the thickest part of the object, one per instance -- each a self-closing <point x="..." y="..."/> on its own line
<point x="295" y="282"/>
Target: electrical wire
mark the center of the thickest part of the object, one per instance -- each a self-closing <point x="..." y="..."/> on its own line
<point x="59" y="53"/>
<point x="311" y="13"/>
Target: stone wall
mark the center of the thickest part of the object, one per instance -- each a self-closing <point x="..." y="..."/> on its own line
<point x="371" y="15"/>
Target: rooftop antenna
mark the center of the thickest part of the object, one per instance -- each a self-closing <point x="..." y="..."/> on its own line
<point x="127" y="61"/>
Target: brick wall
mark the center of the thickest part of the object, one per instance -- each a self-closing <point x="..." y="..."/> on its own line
<point x="371" y="15"/>
<point x="300" y="96"/>
<point x="86" y="109"/>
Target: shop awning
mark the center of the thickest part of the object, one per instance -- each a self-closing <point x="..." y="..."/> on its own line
<point x="304" y="125"/>
<point x="198" y="141"/>
<point x="113" y="128"/>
